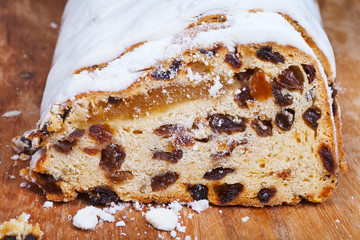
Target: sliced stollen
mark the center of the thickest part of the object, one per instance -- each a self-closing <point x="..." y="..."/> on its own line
<point x="230" y="101"/>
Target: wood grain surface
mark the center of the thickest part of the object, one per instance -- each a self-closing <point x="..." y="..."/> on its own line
<point x="27" y="41"/>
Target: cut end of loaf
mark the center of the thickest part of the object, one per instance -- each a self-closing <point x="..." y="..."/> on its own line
<point x="247" y="126"/>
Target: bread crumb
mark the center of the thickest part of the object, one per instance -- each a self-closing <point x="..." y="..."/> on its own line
<point x="187" y="237"/>
<point x="11" y="114"/>
<point x="162" y="219"/>
<point x="337" y="221"/>
<point x="200" y="205"/>
<point x="190" y="215"/>
<point x="87" y="218"/>
<point x="48" y="204"/>
<point x="245" y="219"/>
<point x="120" y="224"/>
<point x="53" y="25"/>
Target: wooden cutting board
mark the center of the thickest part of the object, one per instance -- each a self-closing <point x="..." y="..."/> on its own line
<point x="28" y="35"/>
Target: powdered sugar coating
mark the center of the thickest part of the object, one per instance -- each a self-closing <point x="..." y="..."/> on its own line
<point x="94" y="33"/>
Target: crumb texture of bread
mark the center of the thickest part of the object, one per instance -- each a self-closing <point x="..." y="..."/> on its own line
<point x="20" y="229"/>
<point x="225" y="113"/>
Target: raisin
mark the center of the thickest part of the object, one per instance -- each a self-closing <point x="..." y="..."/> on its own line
<point x="163" y="181"/>
<point x="310" y="72"/>
<point x="242" y="97"/>
<point x="265" y="194"/>
<point x="232" y="144"/>
<point x="284" y="119"/>
<point x="103" y="196"/>
<point x="224" y="123"/>
<point x="333" y="96"/>
<point x="204" y="140"/>
<point x="65" y="114"/>
<point x="212" y="52"/>
<point x="220" y="155"/>
<point x="260" y="88"/>
<point x="218" y="173"/>
<point x="75" y="135"/>
<point x="198" y="192"/>
<point x="30" y="237"/>
<point x="167" y="130"/>
<point x="112" y="157"/>
<point x="120" y="176"/>
<point x="64" y="146"/>
<point x="169" y="74"/>
<point x="25" y="75"/>
<point x="172" y="157"/>
<point x="9" y="238"/>
<point x="311" y="116"/>
<point x="263" y="128"/>
<point x="184" y="140"/>
<point x="266" y="54"/>
<point x="280" y="99"/>
<point x="244" y="76"/>
<point x="100" y="133"/>
<point x="48" y="183"/>
<point x="231" y="59"/>
<point x="227" y="192"/>
<point x="291" y="79"/>
<point x="115" y="100"/>
<point x="91" y="151"/>
<point x="327" y="158"/>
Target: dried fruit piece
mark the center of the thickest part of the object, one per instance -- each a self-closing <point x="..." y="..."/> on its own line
<point x="311" y="116"/>
<point x="265" y="194"/>
<point x="227" y="192"/>
<point x="333" y="96"/>
<point x="169" y="74"/>
<point x="244" y="76"/>
<point x="212" y="52"/>
<point x="163" y="181"/>
<point x="103" y="196"/>
<point x="115" y="100"/>
<point x="231" y="59"/>
<point x="280" y="99"/>
<point x="310" y="72"/>
<point x="327" y="158"/>
<point x="112" y="157"/>
<point x="120" y="176"/>
<point x="64" y="146"/>
<point x="242" y="97"/>
<point x="266" y="54"/>
<point x="172" y="157"/>
<point x="91" y="151"/>
<point x="263" y="128"/>
<point x="167" y="130"/>
<point x="220" y="123"/>
<point x="75" y="135"/>
<point x="100" y="133"/>
<point x="9" y="238"/>
<point x="291" y="78"/>
<point x="184" y="140"/>
<point x="218" y="173"/>
<point x="48" y="183"/>
<point x="284" y="119"/>
<point x="260" y="88"/>
<point x="220" y="155"/>
<point x="30" y="237"/>
<point x="198" y="192"/>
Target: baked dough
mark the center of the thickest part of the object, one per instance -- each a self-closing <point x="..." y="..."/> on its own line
<point x="230" y="101"/>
